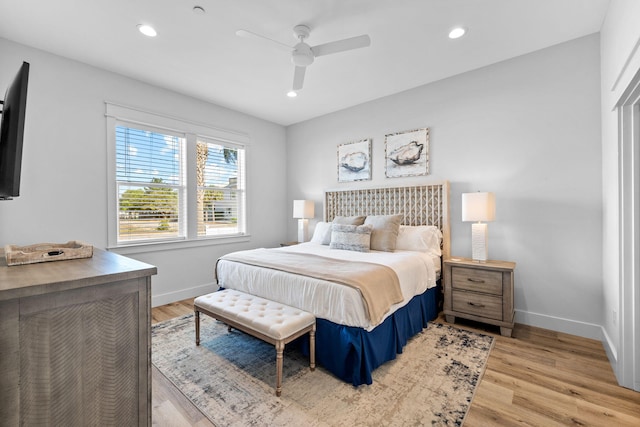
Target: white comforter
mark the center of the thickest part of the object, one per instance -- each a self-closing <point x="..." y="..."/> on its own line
<point x="337" y="303"/>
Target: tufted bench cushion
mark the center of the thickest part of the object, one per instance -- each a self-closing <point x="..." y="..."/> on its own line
<point x="267" y="320"/>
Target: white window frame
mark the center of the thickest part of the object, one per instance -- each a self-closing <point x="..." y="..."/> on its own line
<point x="180" y="187"/>
<point x="242" y="180"/>
<point x="122" y="115"/>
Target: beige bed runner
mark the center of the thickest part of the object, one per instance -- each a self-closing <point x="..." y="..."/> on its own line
<point x="378" y="284"/>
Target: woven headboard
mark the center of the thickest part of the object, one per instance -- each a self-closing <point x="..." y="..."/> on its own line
<point x="426" y="204"/>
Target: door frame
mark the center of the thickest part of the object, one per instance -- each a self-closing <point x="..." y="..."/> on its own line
<point x="629" y="234"/>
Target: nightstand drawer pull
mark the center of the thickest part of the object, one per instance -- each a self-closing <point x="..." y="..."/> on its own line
<point x="471" y="279"/>
<point x="475" y="304"/>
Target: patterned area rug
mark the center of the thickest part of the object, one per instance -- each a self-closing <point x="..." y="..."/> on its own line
<point x="230" y="377"/>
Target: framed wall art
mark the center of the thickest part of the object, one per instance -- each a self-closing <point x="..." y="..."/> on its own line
<point x="354" y="161"/>
<point x="407" y="153"/>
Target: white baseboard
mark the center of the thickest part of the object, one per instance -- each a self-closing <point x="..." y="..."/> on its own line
<point x="567" y="326"/>
<point x="612" y="352"/>
<point x="169" y="297"/>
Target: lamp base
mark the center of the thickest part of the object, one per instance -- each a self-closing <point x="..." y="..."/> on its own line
<point x="479" y="241"/>
<point x="303" y="226"/>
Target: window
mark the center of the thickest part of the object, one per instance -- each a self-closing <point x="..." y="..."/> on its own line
<point x="173" y="181"/>
<point x="220" y="182"/>
<point x="150" y="182"/>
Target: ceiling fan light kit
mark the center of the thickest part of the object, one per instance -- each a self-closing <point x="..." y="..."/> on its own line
<point x="303" y="55"/>
<point x="147" y="30"/>
<point x="457" y="32"/>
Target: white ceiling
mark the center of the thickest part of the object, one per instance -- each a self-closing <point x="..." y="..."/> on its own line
<point x="200" y="55"/>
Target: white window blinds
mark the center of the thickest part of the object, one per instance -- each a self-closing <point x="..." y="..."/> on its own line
<point x="150" y="182"/>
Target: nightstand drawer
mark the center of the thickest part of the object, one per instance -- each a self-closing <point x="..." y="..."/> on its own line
<point x="477" y="280"/>
<point x="478" y="304"/>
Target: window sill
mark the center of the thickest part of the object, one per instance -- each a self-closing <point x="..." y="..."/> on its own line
<point x="138" y="248"/>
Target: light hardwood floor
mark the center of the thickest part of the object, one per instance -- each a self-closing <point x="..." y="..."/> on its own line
<point x="536" y="378"/>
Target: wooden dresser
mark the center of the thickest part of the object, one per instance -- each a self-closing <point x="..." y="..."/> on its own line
<point x="481" y="291"/>
<point x="75" y="340"/>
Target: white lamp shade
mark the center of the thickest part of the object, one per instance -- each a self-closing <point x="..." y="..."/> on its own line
<point x="303" y="209"/>
<point x="478" y="207"/>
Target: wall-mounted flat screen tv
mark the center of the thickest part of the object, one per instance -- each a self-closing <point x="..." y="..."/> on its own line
<point x="14" y="107"/>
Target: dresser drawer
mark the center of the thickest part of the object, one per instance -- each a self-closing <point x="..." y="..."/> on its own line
<point x="477" y="280"/>
<point x="482" y="305"/>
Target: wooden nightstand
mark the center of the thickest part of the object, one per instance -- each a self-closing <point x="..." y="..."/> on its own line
<point x="283" y="244"/>
<point x="480" y="291"/>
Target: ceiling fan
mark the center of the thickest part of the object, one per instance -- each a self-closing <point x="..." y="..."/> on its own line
<point x="303" y="55"/>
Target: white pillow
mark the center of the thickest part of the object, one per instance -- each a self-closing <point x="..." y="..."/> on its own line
<point x="351" y="237"/>
<point x="421" y="238"/>
<point x="322" y="233"/>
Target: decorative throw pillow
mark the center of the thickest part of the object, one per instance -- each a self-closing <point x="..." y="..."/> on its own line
<point x="385" y="231"/>
<point x="421" y="238"/>
<point x="350" y="237"/>
<point x="349" y="220"/>
<point x="322" y="233"/>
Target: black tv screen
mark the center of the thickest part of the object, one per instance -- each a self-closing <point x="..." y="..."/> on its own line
<point x="14" y="107"/>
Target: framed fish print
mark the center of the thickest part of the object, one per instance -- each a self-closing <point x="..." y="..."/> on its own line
<point x="354" y="161"/>
<point x="407" y="153"/>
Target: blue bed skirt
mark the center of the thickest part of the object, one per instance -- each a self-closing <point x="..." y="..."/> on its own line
<point x="352" y="353"/>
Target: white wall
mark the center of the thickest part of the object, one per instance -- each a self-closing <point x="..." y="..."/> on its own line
<point x="63" y="191"/>
<point x="527" y="129"/>
<point x="620" y="62"/>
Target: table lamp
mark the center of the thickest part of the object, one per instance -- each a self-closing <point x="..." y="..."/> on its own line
<point x="478" y="207"/>
<point x="303" y="210"/>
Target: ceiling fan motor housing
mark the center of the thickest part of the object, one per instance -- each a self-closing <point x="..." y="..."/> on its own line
<point x="302" y="55"/>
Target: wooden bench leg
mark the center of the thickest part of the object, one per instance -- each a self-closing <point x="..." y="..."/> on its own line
<point x="197" y="327"/>
<point x="312" y="348"/>
<point x="279" y="358"/>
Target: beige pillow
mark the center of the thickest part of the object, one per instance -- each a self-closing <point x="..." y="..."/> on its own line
<point x="349" y="220"/>
<point x="385" y="231"/>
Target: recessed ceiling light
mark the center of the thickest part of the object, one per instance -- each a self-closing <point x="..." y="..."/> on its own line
<point x="457" y="32"/>
<point x="147" y="30"/>
<point x="292" y="94"/>
<point x="199" y="10"/>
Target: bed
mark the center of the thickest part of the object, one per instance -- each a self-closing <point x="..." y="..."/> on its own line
<point x="354" y="334"/>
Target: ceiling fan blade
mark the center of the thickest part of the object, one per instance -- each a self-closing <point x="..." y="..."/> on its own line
<point x="341" y="45"/>
<point x="251" y="35"/>
<point x="298" y="77"/>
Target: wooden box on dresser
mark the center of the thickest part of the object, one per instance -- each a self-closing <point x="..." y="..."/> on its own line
<point x="480" y="291"/>
<point x="75" y="342"/>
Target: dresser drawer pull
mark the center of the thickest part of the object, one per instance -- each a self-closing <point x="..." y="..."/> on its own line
<point x="475" y="280"/>
<point x="473" y="304"/>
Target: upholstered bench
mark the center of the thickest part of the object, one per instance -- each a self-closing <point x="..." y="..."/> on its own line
<point x="275" y="323"/>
